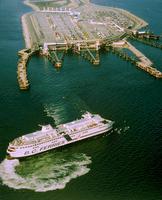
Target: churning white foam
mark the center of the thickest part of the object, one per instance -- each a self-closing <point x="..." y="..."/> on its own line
<point x="44" y="173"/>
<point x="56" y="112"/>
<point x="8" y="174"/>
<point x="60" y="111"/>
<point x="122" y="130"/>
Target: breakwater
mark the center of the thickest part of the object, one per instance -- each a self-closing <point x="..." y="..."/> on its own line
<point x="24" y="55"/>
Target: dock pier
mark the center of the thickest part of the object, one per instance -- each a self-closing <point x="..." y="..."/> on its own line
<point x="141" y="60"/>
<point x="55" y="32"/>
<point x="148" y="42"/>
<point x="122" y="54"/>
<point x="84" y="29"/>
<point x="87" y="51"/>
<point x="82" y="48"/>
<point x="144" y="63"/>
<point x="145" y="35"/>
<point x="87" y="54"/>
<point x="53" y="57"/>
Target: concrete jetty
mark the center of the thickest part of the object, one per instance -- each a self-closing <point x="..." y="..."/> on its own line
<point x="87" y="54"/>
<point x="148" y="42"/>
<point x="143" y="62"/>
<point x="55" y="60"/>
<point x="143" y="59"/>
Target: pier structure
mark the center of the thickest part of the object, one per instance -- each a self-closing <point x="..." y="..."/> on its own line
<point x="149" y="42"/>
<point x="145" y="35"/>
<point x="88" y="55"/>
<point x="83" y="48"/>
<point x="143" y="62"/>
<point x="54" y="46"/>
<point x="122" y="54"/>
<point x="55" y="59"/>
<point x="83" y="28"/>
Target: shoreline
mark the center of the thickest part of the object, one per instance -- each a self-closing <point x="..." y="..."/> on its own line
<point x="34" y="7"/>
<point x="142" y="23"/>
<point x="139" y="22"/>
<point x="25" y="32"/>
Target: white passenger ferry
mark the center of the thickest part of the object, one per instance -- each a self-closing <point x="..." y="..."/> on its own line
<point x="51" y="138"/>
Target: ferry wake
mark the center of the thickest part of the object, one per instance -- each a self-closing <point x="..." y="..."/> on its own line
<point x="51" y="138"/>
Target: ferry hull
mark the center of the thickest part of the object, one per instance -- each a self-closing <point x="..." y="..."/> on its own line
<point x="22" y="153"/>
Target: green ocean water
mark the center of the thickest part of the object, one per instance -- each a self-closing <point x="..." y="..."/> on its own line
<point x="125" y="165"/>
